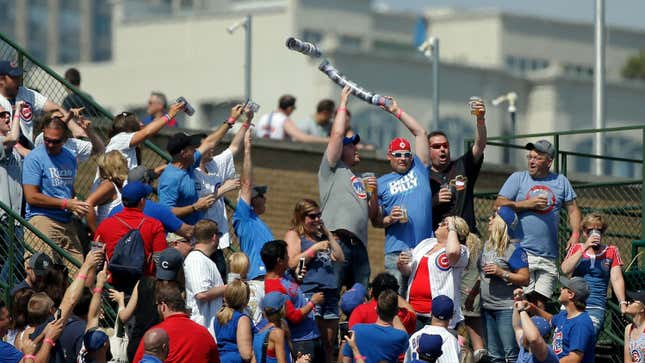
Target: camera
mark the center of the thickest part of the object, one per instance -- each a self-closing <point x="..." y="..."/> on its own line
<point x="188" y="109"/>
<point x="303" y="47"/>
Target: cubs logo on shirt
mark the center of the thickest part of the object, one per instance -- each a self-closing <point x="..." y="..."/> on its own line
<point x="357" y="184"/>
<point x="557" y="342"/>
<point x="442" y="262"/>
<point x="636" y="355"/>
<point x="542" y="190"/>
<point x="26" y="112"/>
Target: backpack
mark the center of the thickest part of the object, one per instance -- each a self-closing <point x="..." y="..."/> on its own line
<point x="129" y="258"/>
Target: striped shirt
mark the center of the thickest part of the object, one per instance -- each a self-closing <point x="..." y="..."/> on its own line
<point x="450" y="346"/>
<point x="201" y="274"/>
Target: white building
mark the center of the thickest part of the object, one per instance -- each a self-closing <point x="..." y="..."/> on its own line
<point x="188" y="52"/>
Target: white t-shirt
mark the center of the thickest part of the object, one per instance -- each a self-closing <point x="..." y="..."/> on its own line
<point x="35" y="102"/>
<point x="255" y="298"/>
<point x="271" y="126"/>
<point x="450" y="347"/>
<point x="80" y="148"/>
<point x="121" y="142"/>
<point x="201" y="274"/>
<point x="219" y="169"/>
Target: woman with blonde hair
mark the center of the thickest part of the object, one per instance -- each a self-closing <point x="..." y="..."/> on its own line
<point x="238" y="267"/>
<point x="233" y="327"/>
<point x="503" y="267"/>
<point x="309" y="239"/>
<point x="106" y="191"/>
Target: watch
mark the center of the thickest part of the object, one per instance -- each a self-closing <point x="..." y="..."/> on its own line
<point x="505" y="276"/>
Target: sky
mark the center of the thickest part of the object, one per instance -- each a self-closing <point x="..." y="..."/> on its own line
<point x="624" y="13"/>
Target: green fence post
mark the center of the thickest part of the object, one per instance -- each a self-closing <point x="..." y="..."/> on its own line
<point x="11" y="239"/>
<point x="556" y="144"/>
<point x="643" y="185"/>
<point x="563" y="166"/>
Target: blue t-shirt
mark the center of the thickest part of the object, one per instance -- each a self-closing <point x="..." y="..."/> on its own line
<point x="9" y="354"/>
<point x="320" y="269"/>
<point x="178" y="188"/>
<point x="252" y="233"/>
<point x="411" y="191"/>
<point x="147" y="358"/>
<point x="525" y="356"/>
<point x="595" y="268"/>
<point x="54" y="175"/>
<point x="307" y="329"/>
<point x="160" y="212"/>
<point x="378" y="343"/>
<point x="575" y="334"/>
<point x="540" y="227"/>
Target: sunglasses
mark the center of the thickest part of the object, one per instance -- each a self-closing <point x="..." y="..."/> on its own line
<point x="405" y="154"/>
<point x="4" y="114"/>
<point x="314" y="215"/>
<point x="52" y="141"/>
<point x="444" y="145"/>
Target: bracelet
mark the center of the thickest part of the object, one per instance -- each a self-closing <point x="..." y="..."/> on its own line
<point x="505" y="276"/>
<point x="310" y="253"/>
<point x="623" y="303"/>
<point x="399" y="113"/>
<point x="245" y="125"/>
<point x="231" y="121"/>
<point x="362" y="357"/>
<point x="29" y="356"/>
<point x="341" y="109"/>
<point x="50" y="342"/>
<point x="313" y="306"/>
<point x="194" y="208"/>
<point x="63" y="206"/>
<point x="167" y="117"/>
<point x="481" y="122"/>
<point x="98" y="290"/>
<point x="81" y="277"/>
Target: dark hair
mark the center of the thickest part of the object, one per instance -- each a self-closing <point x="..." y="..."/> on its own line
<point x="272" y="251"/>
<point x="54" y="283"/>
<point x="205" y="230"/>
<point x="383" y="281"/>
<point x="49" y="121"/>
<point x="326" y="105"/>
<point x="161" y="97"/>
<point x="19" y="303"/>
<point x="387" y="305"/>
<point x="172" y="297"/>
<point x="286" y="101"/>
<point x="130" y="203"/>
<point x="73" y="76"/>
<point x="437" y="133"/>
<point x="125" y="122"/>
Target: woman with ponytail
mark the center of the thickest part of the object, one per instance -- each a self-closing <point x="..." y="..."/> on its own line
<point x="233" y="328"/>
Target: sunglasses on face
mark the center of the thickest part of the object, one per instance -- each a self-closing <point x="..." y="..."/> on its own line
<point x="4" y="114"/>
<point x="405" y="154"/>
<point x="314" y="215"/>
<point x="52" y="141"/>
<point x="444" y="145"/>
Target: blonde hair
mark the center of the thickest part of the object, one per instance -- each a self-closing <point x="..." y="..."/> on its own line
<point x="498" y="240"/>
<point x="113" y="167"/>
<point x="472" y="242"/>
<point x="594" y="218"/>
<point x="300" y="211"/>
<point x="238" y="263"/>
<point x="236" y="297"/>
<point x="39" y="308"/>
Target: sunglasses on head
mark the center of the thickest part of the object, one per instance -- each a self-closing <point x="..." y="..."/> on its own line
<point x="314" y="215"/>
<point x="439" y="146"/>
<point x="405" y="154"/>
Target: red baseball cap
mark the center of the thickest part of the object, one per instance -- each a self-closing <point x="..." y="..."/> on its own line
<point x="399" y="143"/>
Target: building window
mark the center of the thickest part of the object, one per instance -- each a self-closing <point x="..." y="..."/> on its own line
<point x="213" y="113"/>
<point x="350" y="42"/>
<point x="312" y="36"/>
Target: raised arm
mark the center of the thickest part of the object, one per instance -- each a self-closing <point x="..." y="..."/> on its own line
<point x="75" y="289"/>
<point x="98" y="146"/>
<point x="334" y="149"/>
<point x="453" y="247"/>
<point x="236" y="143"/>
<point x="421" y="143"/>
<point x="538" y="346"/>
<point x="217" y="135"/>
<point x="480" y="136"/>
<point x="14" y="131"/>
<point x="247" y="169"/>
<point x="95" y="304"/>
<point x="297" y="135"/>
<point x="156" y="125"/>
<point x="575" y="221"/>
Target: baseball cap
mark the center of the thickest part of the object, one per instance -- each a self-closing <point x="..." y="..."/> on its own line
<point x="541" y="146"/>
<point x="442" y="307"/>
<point x="10" y="68"/>
<point x="259" y="190"/>
<point x="141" y="174"/>
<point x="94" y="340"/>
<point x="182" y="140"/>
<point x="430" y="345"/>
<point x="172" y="237"/>
<point x="513" y="226"/>
<point x="542" y="325"/>
<point x="352" y="298"/>
<point x="578" y="285"/>
<point x="273" y="301"/>
<point x="168" y="264"/>
<point x="39" y="262"/>
<point x="399" y="143"/>
<point x="637" y="295"/>
<point x="354" y="139"/>
<point x="135" y="191"/>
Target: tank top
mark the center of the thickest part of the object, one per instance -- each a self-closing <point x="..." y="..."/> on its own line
<point x="320" y="269"/>
<point x="103" y="210"/>
<point x="263" y="355"/>
<point x="227" y="339"/>
<point x="637" y="347"/>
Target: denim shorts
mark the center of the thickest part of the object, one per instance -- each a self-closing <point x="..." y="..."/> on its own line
<point x="328" y="310"/>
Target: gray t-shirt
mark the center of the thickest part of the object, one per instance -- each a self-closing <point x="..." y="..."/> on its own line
<point x="343" y="199"/>
<point x="10" y="177"/>
<point x="497" y="294"/>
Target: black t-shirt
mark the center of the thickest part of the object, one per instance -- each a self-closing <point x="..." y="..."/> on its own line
<point x="460" y="176"/>
<point x="145" y="313"/>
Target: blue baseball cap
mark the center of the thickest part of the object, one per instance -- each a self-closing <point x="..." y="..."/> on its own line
<point x="430" y="345"/>
<point x="168" y="264"/>
<point x="273" y="301"/>
<point x="542" y="325"/>
<point x="354" y="139"/>
<point x="352" y="298"/>
<point x="10" y="68"/>
<point x="135" y="191"/>
<point x="442" y="307"/>
<point x="94" y="340"/>
<point x="513" y="227"/>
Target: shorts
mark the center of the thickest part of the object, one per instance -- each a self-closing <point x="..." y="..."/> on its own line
<point x="328" y="310"/>
<point x="64" y="235"/>
<point x="543" y="275"/>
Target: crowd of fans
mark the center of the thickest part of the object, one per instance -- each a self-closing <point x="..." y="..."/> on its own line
<point x="445" y="294"/>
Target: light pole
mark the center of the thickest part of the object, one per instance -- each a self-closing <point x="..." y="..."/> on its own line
<point x="599" y="81"/>
<point x="511" y="98"/>
<point x="246" y="23"/>
<point x="430" y="49"/>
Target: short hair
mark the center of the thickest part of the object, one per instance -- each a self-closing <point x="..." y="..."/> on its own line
<point x="161" y="97"/>
<point x="19" y="307"/>
<point x="594" y="218"/>
<point x="437" y="133"/>
<point x="325" y="105"/>
<point x="38" y="308"/>
<point x="130" y="203"/>
<point x="272" y="251"/>
<point x="383" y="281"/>
<point x="286" y="101"/>
<point x="387" y="305"/>
<point x="171" y="295"/>
<point x="73" y="76"/>
<point x="205" y="229"/>
<point x="238" y="263"/>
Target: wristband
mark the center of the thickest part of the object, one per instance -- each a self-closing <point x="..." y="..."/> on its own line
<point x="362" y="357"/>
<point x="575" y="234"/>
<point x="98" y="290"/>
<point x="481" y="122"/>
<point x="310" y="253"/>
<point x="245" y="125"/>
<point x="50" y="342"/>
<point x="341" y="109"/>
<point x="167" y="117"/>
<point x="623" y="303"/>
<point x="29" y="356"/>
<point x="81" y="277"/>
<point x="230" y="121"/>
<point x="313" y="306"/>
<point x="399" y="113"/>
<point x="63" y="206"/>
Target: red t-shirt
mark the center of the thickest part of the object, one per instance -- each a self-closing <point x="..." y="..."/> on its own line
<point x="152" y="232"/>
<point x="366" y="314"/>
<point x="293" y="315"/>
<point x="189" y="341"/>
<point x="420" y="296"/>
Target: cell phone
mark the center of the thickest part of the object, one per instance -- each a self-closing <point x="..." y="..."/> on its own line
<point x="301" y="266"/>
<point x="58" y="314"/>
<point x="350" y="334"/>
